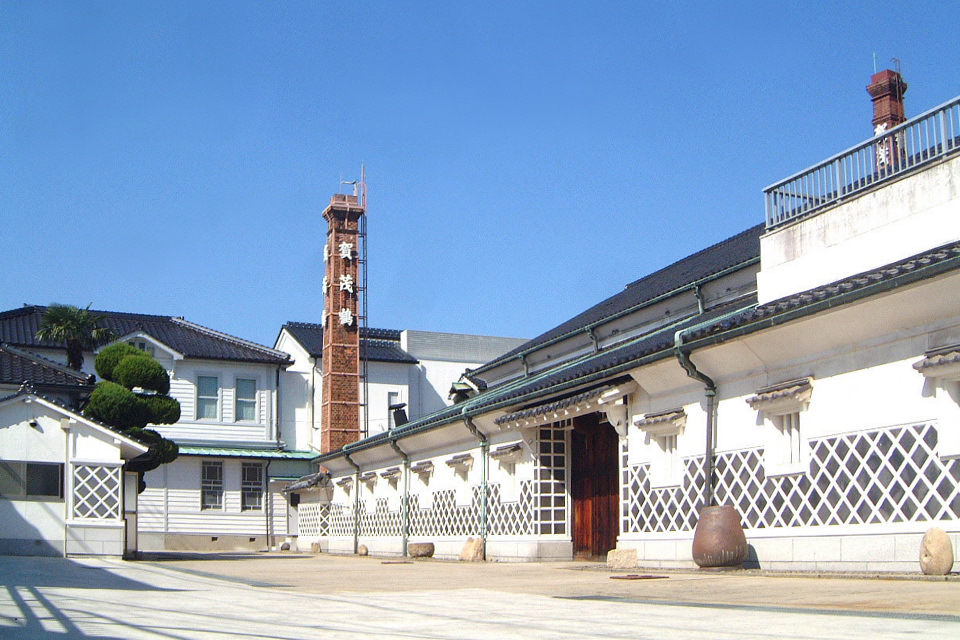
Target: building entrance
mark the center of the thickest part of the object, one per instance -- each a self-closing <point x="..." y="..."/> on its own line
<point x="594" y="487"/>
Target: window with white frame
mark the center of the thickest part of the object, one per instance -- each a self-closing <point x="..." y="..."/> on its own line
<point x="941" y="387"/>
<point x="246" y="400"/>
<point x="143" y="345"/>
<point x="208" y="398"/>
<point x="789" y="427"/>
<point x="393" y="399"/>
<point x="661" y="433"/>
<point x="251" y="486"/>
<point x="779" y="406"/>
<point x="211" y="485"/>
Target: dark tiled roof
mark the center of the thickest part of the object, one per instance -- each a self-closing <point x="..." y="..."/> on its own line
<point x="19" y="327"/>
<point x="378" y="345"/>
<point x="18" y="366"/>
<point x="737" y="250"/>
<point x="595" y="366"/>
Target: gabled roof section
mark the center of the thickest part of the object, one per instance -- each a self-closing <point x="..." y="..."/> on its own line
<point x="378" y="345"/>
<point x="131" y="447"/>
<point x="18" y="366"/>
<point x="739" y="250"/>
<point x="19" y="327"/>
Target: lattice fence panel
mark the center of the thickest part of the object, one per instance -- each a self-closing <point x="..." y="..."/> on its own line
<point x="872" y="477"/>
<point x="649" y="509"/>
<point x="446" y="518"/>
<point x="551" y="477"/>
<point x="381" y="522"/>
<point x="96" y="492"/>
<point x="510" y="518"/>
<point x="341" y="520"/>
<point x="323" y="520"/>
<point x="308" y="519"/>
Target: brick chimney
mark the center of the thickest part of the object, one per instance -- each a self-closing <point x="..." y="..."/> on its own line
<point x="886" y="89"/>
<point x="340" y="368"/>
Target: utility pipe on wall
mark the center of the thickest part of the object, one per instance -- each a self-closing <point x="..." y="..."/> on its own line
<point x="356" y="503"/>
<point x="405" y="505"/>
<point x="710" y="392"/>
<point x="484" y="453"/>
<point x="267" y="501"/>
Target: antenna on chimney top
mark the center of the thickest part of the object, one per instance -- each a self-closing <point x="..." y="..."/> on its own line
<point x="874" y="61"/>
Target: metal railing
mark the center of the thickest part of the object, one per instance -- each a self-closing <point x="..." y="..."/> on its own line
<point x="918" y="141"/>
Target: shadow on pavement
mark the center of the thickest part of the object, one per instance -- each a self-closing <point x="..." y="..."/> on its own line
<point x="26" y="611"/>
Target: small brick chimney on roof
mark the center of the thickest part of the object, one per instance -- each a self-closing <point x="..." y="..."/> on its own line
<point x="886" y="89"/>
<point x="340" y="360"/>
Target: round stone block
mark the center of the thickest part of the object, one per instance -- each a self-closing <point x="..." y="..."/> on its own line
<point x="936" y="552"/>
<point x="420" y="549"/>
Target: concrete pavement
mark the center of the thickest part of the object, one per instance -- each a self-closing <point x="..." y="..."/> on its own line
<point x="303" y="596"/>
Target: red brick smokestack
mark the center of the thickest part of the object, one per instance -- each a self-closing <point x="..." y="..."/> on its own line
<point x="340" y="368"/>
<point x="886" y="89"/>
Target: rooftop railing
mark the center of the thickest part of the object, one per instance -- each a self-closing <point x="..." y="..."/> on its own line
<point x="892" y="152"/>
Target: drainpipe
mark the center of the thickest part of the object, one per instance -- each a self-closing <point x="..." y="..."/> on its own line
<point x="710" y="391"/>
<point x="594" y="339"/>
<point x="276" y="408"/>
<point x="698" y="293"/>
<point x="405" y="505"/>
<point x="313" y="398"/>
<point x="484" y="450"/>
<point x="267" y="501"/>
<point x="356" y="503"/>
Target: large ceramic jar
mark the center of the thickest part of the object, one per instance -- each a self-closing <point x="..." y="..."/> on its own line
<point x="718" y="540"/>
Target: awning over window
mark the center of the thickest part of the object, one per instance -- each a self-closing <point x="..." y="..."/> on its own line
<point x="663" y="423"/>
<point x="784" y="397"/>
<point x="940" y="363"/>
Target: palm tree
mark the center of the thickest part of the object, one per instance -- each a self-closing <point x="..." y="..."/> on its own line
<point x="77" y="328"/>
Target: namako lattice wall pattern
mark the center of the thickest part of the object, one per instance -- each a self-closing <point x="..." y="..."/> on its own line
<point x="873" y="477"/>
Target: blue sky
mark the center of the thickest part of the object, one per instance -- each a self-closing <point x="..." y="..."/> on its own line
<point x="524" y="159"/>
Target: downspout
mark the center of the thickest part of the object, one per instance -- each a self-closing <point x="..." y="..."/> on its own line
<point x="313" y="398"/>
<point x="356" y="503"/>
<point x="698" y="293"/>
<point x="276" y="409"/>
<point x="710" y="391"/>
<point x="484" y="452"/>
<point x="268" y="501"/>
<point x="594" y="339"/>
<point x="405" y="505"/>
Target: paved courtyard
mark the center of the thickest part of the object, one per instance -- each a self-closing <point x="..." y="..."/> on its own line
<point x="292" y="596"/>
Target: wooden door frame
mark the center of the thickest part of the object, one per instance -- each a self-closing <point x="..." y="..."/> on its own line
<point x="594" y="487"/>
